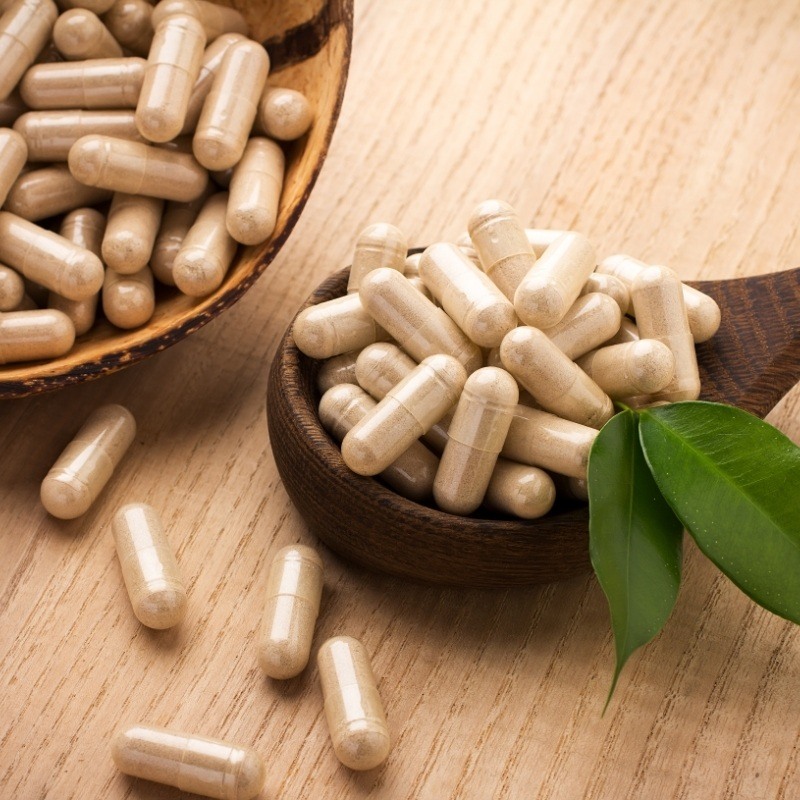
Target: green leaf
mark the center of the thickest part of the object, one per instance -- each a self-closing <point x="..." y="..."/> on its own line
<point x="635" y="540"/>
<point x="734" y="482"/>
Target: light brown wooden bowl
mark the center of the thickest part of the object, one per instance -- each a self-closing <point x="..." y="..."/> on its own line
<point x="751" y="363"/>
<point x="309" y="44"/>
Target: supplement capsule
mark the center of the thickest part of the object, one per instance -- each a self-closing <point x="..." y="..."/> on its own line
<point x="337" y="370"/>
<point x="541" y="238"/>
<point x="131" y="25"/>
<point x="627" y="370"/>
<point x="378" y="245"/>
<point x="353" y="707"/>
<point x="628" y="332"/>
<point x="88" y="461"/>
<point x="25" y="28"/>
<point x="149" y="568"/>
<point x="556" y="383"/>
<point x="572" y="488"/>
<point x="131" y="230"/>
<point x="470" y="299"/>
<point x="79" y="35"/>
<point x="49" y="259"/>
<point x="173" y="65"/>
<point x="658" y="302"/>
<point x="230" y="108"/>
<point x="215" y="19"/>
<point x="11" y="109"/>
<point x="411" y="269"/>
<point x="613" y="287"/>
<point x="33" y="335"/>
<point x="407" y="412"/>
<point x="13" y="154"/>
<point x="255" y="192"/>
<point x="136" y="168"/>
<point x="501" y="245"/>
<point x="411" y="319"/>
<point x="593" y="319"/>
<point x="475" y="437"/>
<point x="546" y="293"/>
<point x="284" y="114"/>
<point x="544" y="440"/>
<point x="12" y="290"/>
<point x="521" y="490"/>
<point x="129" y="300"/>
<point x="294" y="590"/>
<point x="411" y="474"/>
<point x="703" y="312"/>
<point x="198" y="764"/>
<point x="207" y="251"/>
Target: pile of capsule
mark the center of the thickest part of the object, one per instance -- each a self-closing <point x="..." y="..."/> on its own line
<point x="128" y="106"/>
<point x="353" y="707"/>
<point x="479" y="372"/>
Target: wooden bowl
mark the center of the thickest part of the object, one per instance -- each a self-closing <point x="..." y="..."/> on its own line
<point x="309" y="44"/>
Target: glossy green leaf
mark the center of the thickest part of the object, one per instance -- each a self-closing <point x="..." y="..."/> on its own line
<point x="635" y="540"/>
<point x="734" y="482"/>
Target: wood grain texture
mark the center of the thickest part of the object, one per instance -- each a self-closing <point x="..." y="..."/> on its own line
<point x="667" y="130"/>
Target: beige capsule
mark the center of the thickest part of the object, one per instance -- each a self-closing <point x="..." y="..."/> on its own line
<point x="468" y="296"/>
<point x="628" y="332"/>
<point x="411" y="268"/>
<point x="33" y="335"/>
<point x="130" y="22"/>
<point x="46" y="192"/>
<point x="230" y="108"/>
<point x="413" y="321"/>
<point x="50" y="134"/>
<point x="149" y="568"/>
<point x="475" y="438"/>
<point x="571" y="488"/>
<point x="593" y="319"/>
<point x="131" y="230"/>
<point x="703" y="312"/>
<point x="546" y="293"/>
<point x="136" y="168"/>
<point x="544" y="440"/>
<point x="27" y="304"/>
<point x="658" y="303"/>
<point x="353" y="707"/>
<point x="105" y="84"/>
<point x="283" y="114"/>
<point x="11" y="109"/>
<point x="191" y="763"/>
<point x="521" y="490"/>
<point x="89" y="460"/>
<point x="411" y="474"/>
<point x="79" y="34"/>
<point x="173" y="65"/>
<point x="541" y="238"/>
<point x="255" y="192"/>
<point x="294" y="591"/>
<point x="13" y="154"/>
<point x="207" y="250"/>
<point x="626" y="370"/>
<point x="379" y="245"/>
<point x="96" y="6"/>
<point x="420" y="286"/>
<point x="49" y="259"/>
<point x="501" y="245"/>
<point x="25" y="28"/>
<point x="408" y="411"/>
<point x="333" y="372"/>
<point x="556" y="383"/>
<point x="610" y="285"/>
<point x="216" y="19"/>
<point x="12" y="289"/>
<point x="128" y="300"/>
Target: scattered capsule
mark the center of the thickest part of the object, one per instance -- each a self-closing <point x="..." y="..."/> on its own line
<point x="407" y="412"/>
<point x="334" y="371"/>
<point x="197" y="764"/>
<point x="130" y="22"/>
<point x="34" y="334"/>
<point x="12" y="290"/>
<point x="661" y="314"/>
<point x="255" y="192"/>
<point x="628" y="332"/>
<point x="378" y="245"/>
<point x="521" y="490"/>
<point x="173" y="65"/>
<point x="294" y="590"/>
<point x="207" y="250"/>
<point x="546" y="293"/>
<point x="230" y="108"/>
<point x="284" y="114"/>
<point x="353" y="707"/>
<point x="105" y="84"/>
<point x="149" y="568"/>
<point x="593" y="319"/>
<point x="411" y="319"/>
<point x="475" y="438"/>
<point x="501" y="245"/>
<point x="49" y="259"/>
<point x="128" y="300"/>
<point x="87" y="463"/>
<point x="131" y="230"/>
<point x="555" y="382"/>
<point x="11" y="109"/>
<point x="610" y="285"/>
<point x="13" y="154"/>
<point x="136" y="168"/>
<point x="411" y="474"/>
<point x="215" y="19"/>
<point x="541" y="238"/>
<point x="79" y="35"/>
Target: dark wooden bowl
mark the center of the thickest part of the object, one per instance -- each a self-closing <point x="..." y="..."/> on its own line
<point x="309" y="44"/>
<point x="752" y="361"/>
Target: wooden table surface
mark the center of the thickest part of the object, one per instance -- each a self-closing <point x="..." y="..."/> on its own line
<point x="664" y="129"/>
